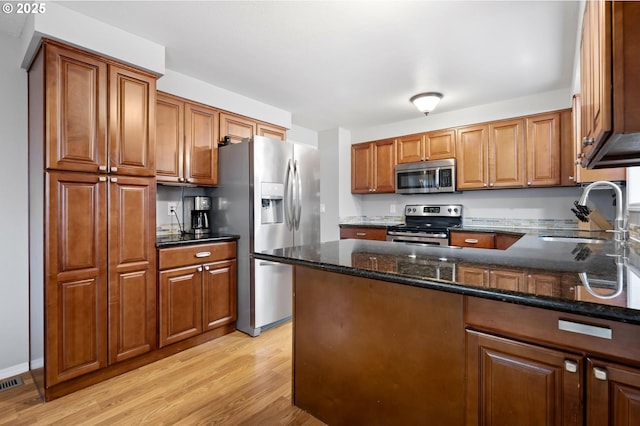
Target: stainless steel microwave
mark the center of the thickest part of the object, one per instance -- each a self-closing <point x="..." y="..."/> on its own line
<point x="426" y="177"/>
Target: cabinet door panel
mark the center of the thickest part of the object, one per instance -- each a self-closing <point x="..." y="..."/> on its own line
<point x="471" y="150"/>
<point x="76" y="104"/>
<point x="76" y="284"/>
<point x="411" y="149"/>
<point x="613" y="397"/>
<point x="132" y="289"/>
<point x="169" y="138"/>
<point x="361" y="168"/>
<point x="132" y="106"/>
<point x="384" y="160"/>
<point x="272" y="132"/>
<point x="219" y="294"/>
<point x="506" y="154"/>
<point x="236" y="127"/>
<point x="180" y="304"/>
<point x="543" y="150"/>
<point x="201" y="144"/>
<point x="515" y="383"/>
<point x="440" y="145"/>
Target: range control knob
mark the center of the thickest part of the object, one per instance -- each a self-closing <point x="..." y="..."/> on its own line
<point x="455" y="210"/>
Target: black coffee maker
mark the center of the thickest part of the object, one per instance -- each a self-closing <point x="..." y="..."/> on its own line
<point x="199" y="207"/>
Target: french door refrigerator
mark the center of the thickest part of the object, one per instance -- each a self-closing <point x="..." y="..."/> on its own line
<point x="269" y="194"/>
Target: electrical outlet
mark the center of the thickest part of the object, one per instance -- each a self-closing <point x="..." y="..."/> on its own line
<point x="173" y="207"/>
<point x="392" y="208"/>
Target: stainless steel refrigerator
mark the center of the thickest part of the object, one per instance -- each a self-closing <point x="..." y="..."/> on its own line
<point x="268" y="193"/>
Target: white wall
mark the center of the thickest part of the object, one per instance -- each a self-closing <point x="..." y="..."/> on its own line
<point x="14" y="305"/>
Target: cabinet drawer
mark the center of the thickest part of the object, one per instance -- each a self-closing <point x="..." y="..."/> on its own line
<point x="192" y="255"/>
<point x="364" y="233"/>
<point x="473" y="239"/>
<point x="557" y="329"/>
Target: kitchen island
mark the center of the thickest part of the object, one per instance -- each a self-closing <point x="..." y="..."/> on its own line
<point x="541" y="333"/>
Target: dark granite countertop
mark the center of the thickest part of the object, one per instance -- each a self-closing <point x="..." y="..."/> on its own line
<point x="164" y="241"/>
<point x="547" y="273"/>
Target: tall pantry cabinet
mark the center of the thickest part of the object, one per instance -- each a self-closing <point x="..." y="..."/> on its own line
<point x="91" y="215"/>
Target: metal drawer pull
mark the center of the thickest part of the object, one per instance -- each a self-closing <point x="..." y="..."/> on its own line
<point x="361" y="234"/>
<point x="570" y="366"/>
<point x="589" y="330"/>
<point x="203" y="254"/>
<point x="600" y="373"/>
<point x="471" y="241"/>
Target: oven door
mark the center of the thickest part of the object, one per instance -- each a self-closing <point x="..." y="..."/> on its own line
<point x="425" y="239"/>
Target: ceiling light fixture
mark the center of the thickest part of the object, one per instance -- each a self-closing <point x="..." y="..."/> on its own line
<point x="426" y="102"/>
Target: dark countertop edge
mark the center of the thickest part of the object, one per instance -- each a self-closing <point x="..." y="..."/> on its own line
<point x="188" y="242"/>
<point x="593" y="310"/>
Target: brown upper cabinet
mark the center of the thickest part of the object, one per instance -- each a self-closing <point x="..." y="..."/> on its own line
<point x="610" y="88"/>
<point x="86" y="102"/>
<point x="237" y="128"/>
<point x="581" y="174"/>
<point x="512" y="153"/>
<point x="436" y="145"/>
<point x="543" y="149"/>
<point x="373" y="167"/>
<point x="491" y="155"/>
<point x="187" y="141"/>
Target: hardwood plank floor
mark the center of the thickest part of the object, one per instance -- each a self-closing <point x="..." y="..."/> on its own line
<point x="233" y="380"/>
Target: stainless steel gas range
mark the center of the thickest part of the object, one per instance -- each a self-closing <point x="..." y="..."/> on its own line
<point x="427" y="224"/>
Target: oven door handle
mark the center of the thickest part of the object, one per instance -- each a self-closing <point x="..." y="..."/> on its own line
<point x="415" y="234"/>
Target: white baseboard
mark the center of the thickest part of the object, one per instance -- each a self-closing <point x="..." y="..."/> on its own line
<point x="14" y="370"/>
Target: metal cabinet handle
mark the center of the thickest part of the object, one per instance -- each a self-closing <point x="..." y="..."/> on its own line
<point x="203" y="254"/>
<point x="587" y="142"/>
<point x="491" y="184"/>
<point x="102" y="179"/>
<point x="180" y="179"/>
<point x="599" y="373"/>
<point x="114" y="169"/>
<point x="361" y="234"/>
<point x="529" y="183"/>
<point x="570" y="366"/>
<point x="199" y="268"/>
<point x="189" y="179"/>
<point x="206" y="268"/>
<point x="114" y="180"/>
<point x="471" y="241"/>
<point x="586" y="329"/>
<point x="102" y="168"/>
<point x="484" y="184"/>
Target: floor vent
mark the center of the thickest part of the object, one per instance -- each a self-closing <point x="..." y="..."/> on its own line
<point x="10" y="383"/>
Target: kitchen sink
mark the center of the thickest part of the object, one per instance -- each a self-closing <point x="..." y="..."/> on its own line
<point x="584" y="240"/>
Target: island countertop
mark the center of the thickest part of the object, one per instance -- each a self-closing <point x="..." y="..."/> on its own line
<point x="539" y="273"/>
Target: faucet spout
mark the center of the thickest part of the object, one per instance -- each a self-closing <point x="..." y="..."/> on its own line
<point x="619" y="221"/>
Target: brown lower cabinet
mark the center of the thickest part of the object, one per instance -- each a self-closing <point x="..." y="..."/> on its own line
<point x="368" y="351"/>
<point x="525" y="368"/>
<point x="197" y="290"/>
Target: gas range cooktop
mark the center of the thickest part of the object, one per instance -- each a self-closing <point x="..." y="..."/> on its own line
<point x="426" y="224"/>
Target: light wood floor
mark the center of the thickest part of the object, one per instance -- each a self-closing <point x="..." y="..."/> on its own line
<point x="233" y="380"/>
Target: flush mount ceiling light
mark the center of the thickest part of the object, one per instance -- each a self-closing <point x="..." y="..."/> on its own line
<point x="426" y="102"/>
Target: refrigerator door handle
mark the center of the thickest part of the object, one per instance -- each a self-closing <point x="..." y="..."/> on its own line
<point x="298" y="182"/>
<point x="288" y="197"/>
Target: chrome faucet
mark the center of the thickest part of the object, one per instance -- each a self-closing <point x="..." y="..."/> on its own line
<point x="619" y="222"/>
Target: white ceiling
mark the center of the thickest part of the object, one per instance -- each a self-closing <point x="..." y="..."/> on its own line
<point x="356" y="63"/>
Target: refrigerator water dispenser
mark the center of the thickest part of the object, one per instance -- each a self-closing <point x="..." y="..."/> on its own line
<point x="272" y="210"/>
